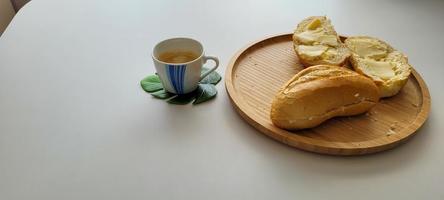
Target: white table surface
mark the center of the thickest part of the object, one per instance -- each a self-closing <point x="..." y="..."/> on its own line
<point x="74" y="123"/>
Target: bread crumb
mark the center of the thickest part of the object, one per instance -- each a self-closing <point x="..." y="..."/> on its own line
<point x="310" y="118"/>
<point x="390" y="132"/>
<point x="357" y="95"/>
<point x="414" y="105"/>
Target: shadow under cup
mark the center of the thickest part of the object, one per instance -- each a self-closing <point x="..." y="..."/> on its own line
<point x="179" y="78"/>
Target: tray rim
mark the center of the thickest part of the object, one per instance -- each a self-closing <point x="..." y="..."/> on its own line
<point x="314" y="145"/>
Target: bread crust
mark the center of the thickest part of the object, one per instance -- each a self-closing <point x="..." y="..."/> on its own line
<point x="319" y="93"/>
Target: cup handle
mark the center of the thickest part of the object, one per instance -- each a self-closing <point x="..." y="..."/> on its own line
<point x="216" y="60"/>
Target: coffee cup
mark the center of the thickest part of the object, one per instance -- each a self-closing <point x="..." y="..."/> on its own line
<point x="179" y="62"/>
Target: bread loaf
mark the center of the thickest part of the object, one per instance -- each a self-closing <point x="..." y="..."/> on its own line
<point x="376" y="59"/>
<point x="316" y="42"/>
<point x="319" y="93"/>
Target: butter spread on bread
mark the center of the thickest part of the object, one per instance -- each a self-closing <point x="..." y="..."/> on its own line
<point x="319" y="93"/>
<point x="376" y="59"/>
<point x="316" y="42"/>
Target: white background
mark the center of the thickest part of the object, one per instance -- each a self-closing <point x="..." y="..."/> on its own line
<point x="74" y="123"/>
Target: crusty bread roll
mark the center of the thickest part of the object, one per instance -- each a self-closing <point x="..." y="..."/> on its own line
<point x="319" y="93"/>
<point x="316" y="42"/>
<point x="376" y="59"/>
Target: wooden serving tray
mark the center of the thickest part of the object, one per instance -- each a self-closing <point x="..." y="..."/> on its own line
<point x="256" y="72"/>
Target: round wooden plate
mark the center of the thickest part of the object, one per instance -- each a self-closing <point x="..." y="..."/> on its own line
<point x="255" y="74"/>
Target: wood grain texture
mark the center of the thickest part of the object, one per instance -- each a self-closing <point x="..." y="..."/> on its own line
<point x="256" y="72"/>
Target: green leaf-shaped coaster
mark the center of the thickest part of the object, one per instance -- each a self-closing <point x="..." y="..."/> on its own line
<point x="162" y="94"/>
<point x="183" y="98"/>
<point x="203" y="93"/>
<point x="212" y="78"/>
<point x="151" y="83"/>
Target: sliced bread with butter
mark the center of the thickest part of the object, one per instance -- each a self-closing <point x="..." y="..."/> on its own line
<point x="376" y="59"/>
<point x="316" y="42"/>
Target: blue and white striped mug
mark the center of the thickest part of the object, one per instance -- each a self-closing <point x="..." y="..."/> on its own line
<point x="181" y="78"/>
